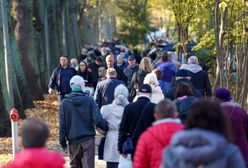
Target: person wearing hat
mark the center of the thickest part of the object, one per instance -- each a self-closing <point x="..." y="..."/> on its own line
<point x="238" y="118"/>
<point x="78" y="114"/>
<point x="104" y="93"/>
<point x="131" y="69"/>
<point x="182" y="76"/>
<point x="199" y="77"/>
<point x="129" y="124"/>
<point x="120" y="63"/>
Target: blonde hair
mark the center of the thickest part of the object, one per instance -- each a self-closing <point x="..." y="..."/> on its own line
<point x="146" y="65"/>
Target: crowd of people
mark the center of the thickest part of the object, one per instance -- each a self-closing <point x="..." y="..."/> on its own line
<point x="151" y="112"/>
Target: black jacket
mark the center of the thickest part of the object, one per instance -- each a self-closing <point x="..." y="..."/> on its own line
<point x="62" y="74"/>
<point x="129" y="122"/>
<point x="201" y="82"/>
<point x="87" y="75"/>
<point x="120" y="74"/>
<point x="171" y="94"/>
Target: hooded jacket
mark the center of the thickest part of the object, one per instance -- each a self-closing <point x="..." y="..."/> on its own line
<point x="183" y="105"/>
<point x="78" y="114"/>
<point x="201" y="148"/>
<point x="112" y="113"/>
<point x="199" y="78"/>
<point x="37" y="158"/>
<point x="152" y="142"/>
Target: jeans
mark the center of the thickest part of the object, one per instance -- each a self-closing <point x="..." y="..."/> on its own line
<point x="83" y="155"/>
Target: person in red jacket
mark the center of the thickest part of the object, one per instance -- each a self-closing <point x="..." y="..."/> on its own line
<point x="34" y="136"/>
<point x="151" y="143"/>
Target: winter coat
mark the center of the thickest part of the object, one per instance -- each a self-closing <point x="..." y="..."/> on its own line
<point x="104" y="93"/>
<point x="152" y="142"/>
<point x="129" y="71"/>
<point x="120" y="74"/>
<point x="138" y="78"/>
<point x="239" y="121"/>
<point x="171" y="94"/>
<point x="60" y="79"/>
<point x="112" y="113"/>
<point x="157" y="94"/>
<point x="94" y="69"/>
<point x="183" y="105"/>
<point x="78" y="114"/>
<point x="168" y="70"/>
<point x="37" y="158"/>
<point x="196" y="148"/>
<point x="122" y="66"/>
<point x="87" y="75"/>
<point x="199" y="78"/>
<point x="129" y="121"/>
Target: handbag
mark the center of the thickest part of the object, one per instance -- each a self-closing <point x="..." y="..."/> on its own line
<point x="128" y="146"/>
<point x="101" y="148"/>
<point x="125" y="162"/>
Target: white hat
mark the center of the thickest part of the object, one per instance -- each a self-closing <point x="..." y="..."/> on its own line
<point x="76" y="81"/>
<point x="193" y="60"/>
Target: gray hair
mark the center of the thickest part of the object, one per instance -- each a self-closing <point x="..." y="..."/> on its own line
<point x="121" y="95"/>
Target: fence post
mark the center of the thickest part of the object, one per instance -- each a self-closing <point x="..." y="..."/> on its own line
<point x="14" y="117"/>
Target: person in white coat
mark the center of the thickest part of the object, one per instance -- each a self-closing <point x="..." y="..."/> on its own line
<point x="157" y="93"/>
<point x="112" y="113"/>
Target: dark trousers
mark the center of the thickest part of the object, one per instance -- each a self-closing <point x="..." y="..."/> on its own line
<point x="83" y="154"/>
<point x="112" y="165"/>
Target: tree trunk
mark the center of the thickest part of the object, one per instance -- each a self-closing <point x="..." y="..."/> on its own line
<point x="25" y="42"/>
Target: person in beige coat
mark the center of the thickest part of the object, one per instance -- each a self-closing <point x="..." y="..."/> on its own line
<point x="112" y="113"/>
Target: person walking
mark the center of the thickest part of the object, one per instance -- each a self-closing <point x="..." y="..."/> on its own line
<point x="131" y="115"/>
<point x="199" y="77"/>
<point x="78" y="114"/>
<point x="60" y="78"/>
<point x="184" y="100"/>
<point x="238" y="117"/>
<point x="112" y="113"/>
<point x="86" y="73"/>
<point x="205" y="142"/>
<point x="152" y="142"/>
<point x="104" y="90"/>
<point x="35" y="134"/>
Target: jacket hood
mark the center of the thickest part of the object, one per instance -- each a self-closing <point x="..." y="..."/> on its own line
<point x="194" y="68"/>
<point x="198" y="146"/>
<point x="75" y="97"/>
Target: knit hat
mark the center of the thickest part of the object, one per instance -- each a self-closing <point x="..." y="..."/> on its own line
<point x="182" y="73"/>
<point x="145" y="89"/>
<point x="193" y="60"/>
<point x="76" y="81"/>
<point x="223" y="94"/>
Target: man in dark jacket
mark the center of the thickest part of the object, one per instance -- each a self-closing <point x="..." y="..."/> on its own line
<point x="78" y="114"/>
<point x="130" y="70"/>
<point x="94" y="67"/>
<point x="199" y="77"/>
<point x="110" y="64"/>
<point x="130" y="118"/>
<point x="61" y="77"/>
<point x="104" y="93"/>
<point x="182" y="76"/>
